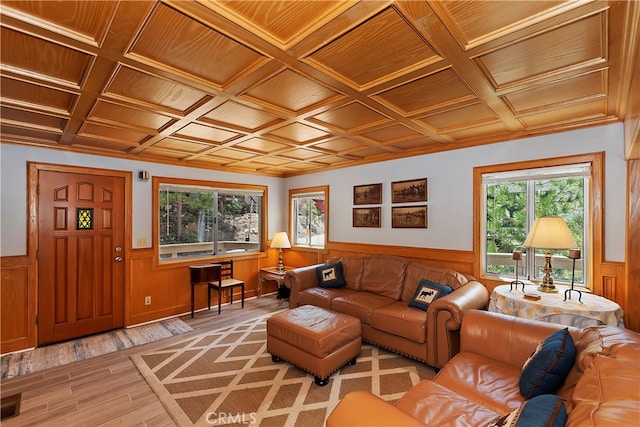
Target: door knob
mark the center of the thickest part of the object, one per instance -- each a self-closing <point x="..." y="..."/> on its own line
<point x="118" y="259"/>
<point x="118" y="249"/>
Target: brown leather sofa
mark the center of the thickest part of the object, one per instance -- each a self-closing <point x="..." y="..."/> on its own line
<point x="480" y="384"/>
<point x="377" y="291"/>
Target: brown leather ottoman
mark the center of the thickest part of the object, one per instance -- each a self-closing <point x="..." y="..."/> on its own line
<point x="316" y="340"/>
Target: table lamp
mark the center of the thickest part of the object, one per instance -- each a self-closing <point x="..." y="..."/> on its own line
<point x="280" y="241"/>
<point x="549" y="232"/>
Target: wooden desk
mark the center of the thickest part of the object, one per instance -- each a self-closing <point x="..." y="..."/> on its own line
<point x="272" y="274"/>
<point x="201" y="274"/>
<point x="551" y="307"/>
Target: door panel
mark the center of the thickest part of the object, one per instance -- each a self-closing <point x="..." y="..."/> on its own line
<point x="81" y="285"/>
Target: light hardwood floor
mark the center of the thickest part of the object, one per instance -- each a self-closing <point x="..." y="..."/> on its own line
<point x="108" y="390"/>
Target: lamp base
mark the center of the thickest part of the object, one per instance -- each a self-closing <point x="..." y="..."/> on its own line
<point x="547" y="285"/>
<point x="280" y="263"/>
<point x="547" y="280"/>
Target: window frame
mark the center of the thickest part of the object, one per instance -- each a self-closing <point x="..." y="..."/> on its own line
<point x="157" y="181"/>
<point x="529" y="178"/>
<point x="594" y="234"/>
<point x="297" y="192"/>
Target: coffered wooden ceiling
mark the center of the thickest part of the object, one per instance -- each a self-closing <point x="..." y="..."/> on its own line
<point x="284" y="88"/>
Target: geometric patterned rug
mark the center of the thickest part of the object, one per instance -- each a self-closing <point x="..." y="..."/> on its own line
<point x="226" y="377"/>
<point x="51" y="356"/>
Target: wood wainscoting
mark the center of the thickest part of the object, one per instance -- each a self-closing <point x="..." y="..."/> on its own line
<point x="169" y="286"/>
<point x="18" y="304"/>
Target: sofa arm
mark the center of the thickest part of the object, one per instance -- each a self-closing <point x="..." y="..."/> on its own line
<point x="300" y="279"/>
<point x="361" y="408"/>
<point x="444" y="320"/>
<point x="504" y="338"/>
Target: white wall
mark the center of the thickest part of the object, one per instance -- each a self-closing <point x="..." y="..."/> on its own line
<point x="450" y="189"/>
<point x="13" y="188"/>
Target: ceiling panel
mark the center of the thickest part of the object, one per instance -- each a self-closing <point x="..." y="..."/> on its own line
<point x="393" y="49"/>
<point x="291" y="92"/>
<point x="193" y="48"/>
<point x="350" y="117"/>
<point x="283" y="88"/>
<point x="576" y="44"/>
<point x="119" y="114"/>
<point x="299" y="133"/>
<point x="427" y="93"/>
<point x="552" y="95"/>
<point x="28" y="95"/>
<point x="241" y="117"/>
<point x="473" y="22"/>
<point x="462" y="117"/>
<point x="32" y="56"/>
<point x="282" y="23"/>
<point x="34" y="120"/>
<point x="152" y="91"/>
<point x="83" y="21"/>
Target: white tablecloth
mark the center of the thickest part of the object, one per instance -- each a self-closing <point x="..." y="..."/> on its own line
<point x="594" y="309"/>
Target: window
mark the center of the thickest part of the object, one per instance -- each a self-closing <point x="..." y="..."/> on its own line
<point x="512" y="200"/>
<point x="206" y="220"/>
<point x="308" y="207"/>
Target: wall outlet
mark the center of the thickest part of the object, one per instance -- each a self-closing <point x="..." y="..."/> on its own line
<point x="147" y="300"/>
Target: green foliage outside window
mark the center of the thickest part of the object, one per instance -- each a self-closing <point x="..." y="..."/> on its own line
<point x="185" y="217"/>
<point x="194" y="222"/>
<point x="506" y="221"/>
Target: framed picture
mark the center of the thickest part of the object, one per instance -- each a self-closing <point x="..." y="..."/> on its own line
<point x="370" y="194"/>
<point x="413" y="190"/>
<point x="409" y="216"/>
<point x="366" y="217"/>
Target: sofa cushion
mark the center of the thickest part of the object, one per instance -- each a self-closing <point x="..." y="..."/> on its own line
<point x="351" y="269"/>
<point x="330" y="275"/>
<point x="417" y="272"/>
<point x="546" y="410"/>
<point x="384" y="275"/>
<point x="359" y="304"/>
<point x="484" y="380"/>
<point x="548" y="366"/>
<point x="608" y="340"/>
<point x="321" y="297"/>
<point x="608" y="393"/>
<point x="435" y="405"/>
<point x="402" y="320"/>
<point x="427" y="292"/>
<point x="609" y="379"/>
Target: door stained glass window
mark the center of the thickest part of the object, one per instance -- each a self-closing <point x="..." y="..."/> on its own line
<point x="84" y="218"/>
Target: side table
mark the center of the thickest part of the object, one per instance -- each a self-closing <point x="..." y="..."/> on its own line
<point x="551" y="307"/>
<point x="200" y="274"/>
<point x="270" y="274"/>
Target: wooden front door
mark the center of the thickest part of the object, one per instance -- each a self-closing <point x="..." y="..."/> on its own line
<point x="80" y="255"/>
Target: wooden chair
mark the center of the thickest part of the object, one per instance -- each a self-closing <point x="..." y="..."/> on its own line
<point x="224" y="280"/>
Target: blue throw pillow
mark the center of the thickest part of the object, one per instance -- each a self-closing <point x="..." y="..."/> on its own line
<point x="427" y="292"/>
<point x="546" y="410"/>
<point x="548" y="366"/>
<point x="330" y="275"/>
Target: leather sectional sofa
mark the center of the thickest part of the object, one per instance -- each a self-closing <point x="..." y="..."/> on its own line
<point x="378" y="289"/>
<point x="481" y="383"/>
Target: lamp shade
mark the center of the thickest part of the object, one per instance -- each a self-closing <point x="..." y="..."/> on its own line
<point x="280" y="240"/>
<point x="550" y="232"/>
